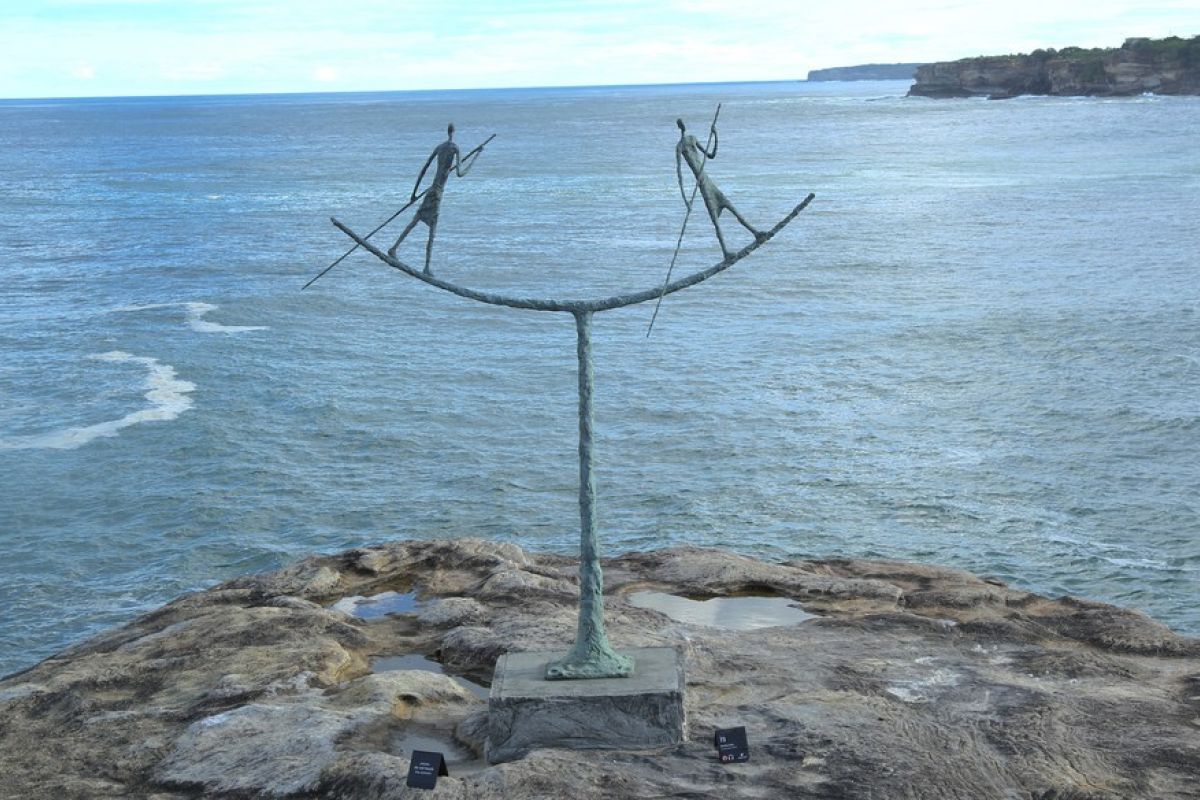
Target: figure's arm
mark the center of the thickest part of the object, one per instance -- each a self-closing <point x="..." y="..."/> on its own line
<point x="459" y="168"/>
<point x="421" y="176"/>
<point x="679" y="175"/>
<point x="713" y="154"/>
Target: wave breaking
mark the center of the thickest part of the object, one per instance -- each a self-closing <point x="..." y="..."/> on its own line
<point x="194" y="317"/>
<point x="168" y="396"/>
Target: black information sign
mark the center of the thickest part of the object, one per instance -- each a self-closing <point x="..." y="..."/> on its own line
<point x="424" y="769"/>
<point x="731" y="745"/>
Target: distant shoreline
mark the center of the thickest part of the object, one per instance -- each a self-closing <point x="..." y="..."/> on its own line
<point x="867" y="72"/>
<point x="1139" y="66"/>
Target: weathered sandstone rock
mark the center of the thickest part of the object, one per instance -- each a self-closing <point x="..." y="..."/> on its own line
<point x="912" y="682"/>
<point x="1163" y="66"/>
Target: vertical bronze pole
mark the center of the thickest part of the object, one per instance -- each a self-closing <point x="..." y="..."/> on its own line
<point x="592" y="656"/>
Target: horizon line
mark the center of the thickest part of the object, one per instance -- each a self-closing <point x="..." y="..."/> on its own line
<point x="427" y="91"/>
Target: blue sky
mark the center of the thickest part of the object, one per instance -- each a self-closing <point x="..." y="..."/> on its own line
<point x="55" y="48"/>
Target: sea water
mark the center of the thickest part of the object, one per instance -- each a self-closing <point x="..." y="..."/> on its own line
<point x="978" y="347"/>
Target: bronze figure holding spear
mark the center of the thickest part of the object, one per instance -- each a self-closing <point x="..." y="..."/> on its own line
<point x="689" y="149"/>
<point x="448" y="158"/>
<point x="433" y="205"/>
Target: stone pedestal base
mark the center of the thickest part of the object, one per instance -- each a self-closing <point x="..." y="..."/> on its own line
<point x="526" y="711"/>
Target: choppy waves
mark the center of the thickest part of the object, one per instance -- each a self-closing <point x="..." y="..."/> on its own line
<point x="978" y="347"/>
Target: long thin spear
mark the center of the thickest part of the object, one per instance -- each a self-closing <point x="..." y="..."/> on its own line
<point x="388" y="220"/>
<point x="368" y="236"/>
<point x="687" y="215"/>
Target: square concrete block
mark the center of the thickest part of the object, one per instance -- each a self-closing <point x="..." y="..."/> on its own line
<point x="526" y="711"/>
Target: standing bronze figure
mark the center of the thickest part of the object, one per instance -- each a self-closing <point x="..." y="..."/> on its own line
<point x="690" y="150"/>
<point x="448" y="158"/>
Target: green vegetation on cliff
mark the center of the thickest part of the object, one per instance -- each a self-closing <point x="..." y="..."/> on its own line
<point x="1160" y="66"/>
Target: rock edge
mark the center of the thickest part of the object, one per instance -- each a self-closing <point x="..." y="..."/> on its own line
<point x="914" y="682"/>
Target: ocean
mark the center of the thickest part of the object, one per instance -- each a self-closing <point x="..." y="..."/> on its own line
<point x="978" y="347"/>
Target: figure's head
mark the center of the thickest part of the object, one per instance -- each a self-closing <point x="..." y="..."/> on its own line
<point x="450" y="131"/>
<point x="679" y="122"/>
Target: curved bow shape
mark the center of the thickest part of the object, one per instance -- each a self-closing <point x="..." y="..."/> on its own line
<point x="574" y="306"/>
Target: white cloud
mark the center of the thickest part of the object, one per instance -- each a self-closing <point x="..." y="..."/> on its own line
<point x="194" y="71"/>
<point x="142" y="47"/>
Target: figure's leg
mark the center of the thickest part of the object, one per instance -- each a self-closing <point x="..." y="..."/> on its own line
<point x="714" y="211"/>
<point x="429" y="248"/>
<point x="757" y="233"/>
<point x="407" y="230"/>
<point x="720" y="236"/>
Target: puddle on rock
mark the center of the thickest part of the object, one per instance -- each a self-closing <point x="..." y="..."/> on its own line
<point x="418" y="661"/>
<point x="378" y="605"/>
<point x="732" y="613"/>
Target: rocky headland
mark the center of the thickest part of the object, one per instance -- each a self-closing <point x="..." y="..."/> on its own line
<point x="866" y="72"/>
<point x="1159" y="66"/>
<point x="906" y="681"/>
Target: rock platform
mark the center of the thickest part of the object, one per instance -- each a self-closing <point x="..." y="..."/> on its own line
<point x="911" y="682"/>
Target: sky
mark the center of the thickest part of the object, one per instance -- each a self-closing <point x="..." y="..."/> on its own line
<point x="88" y="48"/>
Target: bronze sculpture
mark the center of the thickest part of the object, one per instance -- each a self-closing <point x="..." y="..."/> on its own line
<point x="435" y="204"/>
<point x="448" y="158"/>
<point x="591" y="655"/>
<point x="689" y="149"/>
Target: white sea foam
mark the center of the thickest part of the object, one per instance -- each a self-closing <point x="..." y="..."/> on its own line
<point x="194" y="317"/>
<point x="196" y="321"/>
<point x="168" y="396"/>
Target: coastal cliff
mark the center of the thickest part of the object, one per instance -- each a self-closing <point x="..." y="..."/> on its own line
<point x="1160" y="66"/>
<point x="901" y="681"/>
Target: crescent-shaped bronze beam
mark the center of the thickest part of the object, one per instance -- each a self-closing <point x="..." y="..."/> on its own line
<point x="575" y="306"/>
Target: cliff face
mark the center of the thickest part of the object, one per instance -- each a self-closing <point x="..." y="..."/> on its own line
<point x="1162" y="66"/>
